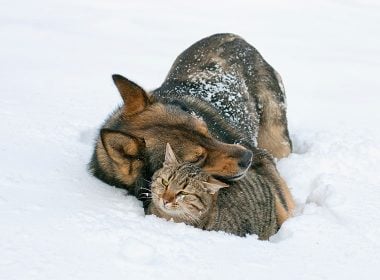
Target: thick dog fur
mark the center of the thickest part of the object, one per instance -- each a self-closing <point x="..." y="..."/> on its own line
<point x="220" y="103"/>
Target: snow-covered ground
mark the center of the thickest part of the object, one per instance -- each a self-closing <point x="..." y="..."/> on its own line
<point x="58" y="222"/>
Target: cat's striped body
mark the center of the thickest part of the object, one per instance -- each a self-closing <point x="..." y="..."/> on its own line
<point x="182" y="192"/>
<point x="246" y="207"/>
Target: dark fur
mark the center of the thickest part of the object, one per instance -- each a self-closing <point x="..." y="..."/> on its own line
<point x="257" y="119"/>
<point x="227" y="55"/>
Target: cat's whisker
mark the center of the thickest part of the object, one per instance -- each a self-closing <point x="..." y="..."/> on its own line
<point x="192" y="220"/>
<point x="188" y="215"/>
<point x="154" y="196"/>
<point x="146" y="189"/>
<point x="153" y="193"/>
<point x="147" y="180"/>
<point x="146" y="195"/>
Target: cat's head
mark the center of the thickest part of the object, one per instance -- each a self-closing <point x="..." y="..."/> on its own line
<point x="182" y="191"/>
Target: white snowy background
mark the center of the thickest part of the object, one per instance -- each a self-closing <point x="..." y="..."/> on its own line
<point x="56" y="59"/>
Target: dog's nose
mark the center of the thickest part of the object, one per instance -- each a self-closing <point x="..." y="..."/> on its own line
<point x="246" y="159"/>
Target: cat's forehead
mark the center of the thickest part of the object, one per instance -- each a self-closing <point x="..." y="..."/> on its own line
<point x="189" y="169"/>
<point x="185" y="169"/>
<point x="193" y="175"/>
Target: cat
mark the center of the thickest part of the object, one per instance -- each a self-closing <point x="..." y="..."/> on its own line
<point x="183" y="193"/>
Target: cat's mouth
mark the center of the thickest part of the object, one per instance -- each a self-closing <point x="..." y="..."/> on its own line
<point x="171" y="208"/>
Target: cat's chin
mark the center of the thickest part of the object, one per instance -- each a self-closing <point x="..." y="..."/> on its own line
<point x="169" y="210"/>
<point x="176" y="214"/>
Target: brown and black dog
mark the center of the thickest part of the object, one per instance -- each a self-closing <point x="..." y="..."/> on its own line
<point x="221" y="106"/>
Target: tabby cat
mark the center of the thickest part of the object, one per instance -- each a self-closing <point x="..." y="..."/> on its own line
<point x="182" y="192"/>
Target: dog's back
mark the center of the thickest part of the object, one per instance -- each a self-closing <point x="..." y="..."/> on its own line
<point x="224" y="80"/>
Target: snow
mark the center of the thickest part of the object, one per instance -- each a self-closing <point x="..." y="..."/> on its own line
<point x="214" y="85"/>
<point x="58" y="222"/>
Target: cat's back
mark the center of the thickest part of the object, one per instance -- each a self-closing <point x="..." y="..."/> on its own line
<point x="247" y="207"/>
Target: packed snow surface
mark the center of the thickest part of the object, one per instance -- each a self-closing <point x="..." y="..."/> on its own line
<point x="58" y="222"/>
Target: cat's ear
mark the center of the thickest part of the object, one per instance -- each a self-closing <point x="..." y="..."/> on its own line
<point x="213" y="185"/>
<point x="170" y="157"/>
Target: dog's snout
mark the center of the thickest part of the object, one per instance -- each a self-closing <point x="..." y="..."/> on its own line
<point x="246" y="159"/>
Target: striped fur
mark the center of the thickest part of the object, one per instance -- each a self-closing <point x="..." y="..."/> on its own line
<point x="245" y="207"/>
<point x="182" y="192"/>
<point x="219" y="92"/>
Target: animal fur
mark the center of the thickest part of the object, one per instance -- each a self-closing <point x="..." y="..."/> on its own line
<point x="182" y="192"/>
<point x="220" y="103"/>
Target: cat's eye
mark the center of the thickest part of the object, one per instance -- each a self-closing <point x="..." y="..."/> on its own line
<point x="164" y="182"/>
<point x="183" y="193"/>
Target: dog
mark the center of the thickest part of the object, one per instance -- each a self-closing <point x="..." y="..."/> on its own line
<point x="222" y="106"/>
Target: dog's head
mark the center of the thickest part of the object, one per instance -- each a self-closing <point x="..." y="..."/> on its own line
<point x="147" y="125"/>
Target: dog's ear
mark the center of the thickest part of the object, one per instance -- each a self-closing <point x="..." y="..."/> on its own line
<point x="213" y="185"/>
<point x="134" y="97"/>
<point x="170" y="157"/>
<point x="121" y="147"/>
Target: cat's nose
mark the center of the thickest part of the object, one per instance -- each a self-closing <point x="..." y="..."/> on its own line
<point x="168" y="197"/>
<point x="246" y="159"/>
<point x="165" y="201"/>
